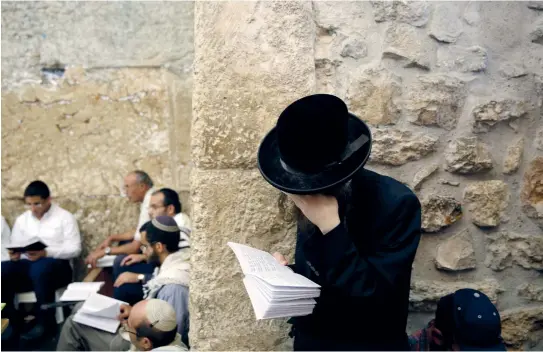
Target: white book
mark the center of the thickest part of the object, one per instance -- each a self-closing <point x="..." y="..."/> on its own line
<point x="274" y="290"/>
<point x="100" y="312"/>
<point x="106" y="261"/>
<point x="80" y="291"/>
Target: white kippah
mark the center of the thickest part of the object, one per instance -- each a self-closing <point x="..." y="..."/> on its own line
<point x="161" y="314"/>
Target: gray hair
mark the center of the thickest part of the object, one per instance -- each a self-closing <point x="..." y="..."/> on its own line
<point x="143" y="177"/>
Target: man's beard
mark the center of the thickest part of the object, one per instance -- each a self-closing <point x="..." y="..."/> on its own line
<point x="153" y="258"/>
<point x="343" y="195"/>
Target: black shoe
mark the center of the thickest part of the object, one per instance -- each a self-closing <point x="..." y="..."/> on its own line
<point x="38" y="331"/>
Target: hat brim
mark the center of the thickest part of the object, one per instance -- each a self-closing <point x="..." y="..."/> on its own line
<point x="269" y="164"/>
<point x="497" y="347"/>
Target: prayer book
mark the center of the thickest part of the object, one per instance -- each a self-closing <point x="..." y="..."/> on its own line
<point x="80" y="291"/>
<point x="275" y="290"/>
<point x="106" y="261"/>
<point x="27" y="244"/>
<point x="100" y="312"/>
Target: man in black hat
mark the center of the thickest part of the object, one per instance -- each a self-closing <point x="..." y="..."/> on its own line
<point x="465" y="321"/>
<point x="358" y="231"/>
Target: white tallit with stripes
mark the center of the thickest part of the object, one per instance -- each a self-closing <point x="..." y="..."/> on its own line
<point x="174" y="270"/>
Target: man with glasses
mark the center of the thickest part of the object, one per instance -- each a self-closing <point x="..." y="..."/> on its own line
<point x="160" y="244"/>
<point x="42" y="271"/>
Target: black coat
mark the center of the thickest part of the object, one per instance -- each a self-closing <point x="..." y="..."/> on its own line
<point x="364" y="269"/>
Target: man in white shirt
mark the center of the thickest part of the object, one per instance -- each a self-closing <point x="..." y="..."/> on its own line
<point x="138" y="187"/>
<point x="45" y="270"/>
<point x="131" y="271"/>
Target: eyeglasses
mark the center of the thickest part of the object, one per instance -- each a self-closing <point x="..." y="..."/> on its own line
<point x="125" y="328"/>
<point x="145" y="247"/>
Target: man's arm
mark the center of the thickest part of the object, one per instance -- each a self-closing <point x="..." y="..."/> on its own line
<point x="125" y="236"/>
<point x="341" y="266"/>
<point x="71" y="240"/>
<point x="128" y="248"/>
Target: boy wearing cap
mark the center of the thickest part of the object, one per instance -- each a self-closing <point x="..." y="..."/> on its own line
<point x="465" y="321"/>
<point x="358" y="231"/>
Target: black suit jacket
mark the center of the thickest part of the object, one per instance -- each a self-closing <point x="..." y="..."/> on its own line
<point x="364" y="268"/>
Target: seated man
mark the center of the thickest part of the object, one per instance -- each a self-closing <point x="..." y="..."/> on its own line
<point x="171" y="284"/>
<point x="41" y="271"/>
<point x="465" y="321"/>
<point x="138" y="187"/>
<point x="164" y="202"/>
<point x="152" y="326"/>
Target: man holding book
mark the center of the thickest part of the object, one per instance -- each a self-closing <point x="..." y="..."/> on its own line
<point x="43" y="241"/>
<point x="358" y="231"/>
<point x="171" y="284"/>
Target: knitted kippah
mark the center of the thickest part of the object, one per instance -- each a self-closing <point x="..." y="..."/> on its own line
<point x="165" y="223"/>
<point x="161" y="314"/>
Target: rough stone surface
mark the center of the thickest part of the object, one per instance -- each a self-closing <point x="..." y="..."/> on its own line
<point x="462" y="59"/>
<point x="397" y="147"/>
<point x="530" y="292"/>
<point x="487" y="202"/>
<point x="513" y="156"/>
<point x="519" y="325"/>
<point x="435" y="100"/>
<point x="507" y="248"/>
<point x="513" y="70"/>
<point x="472" y="13"/>
<point x="535" y="5"/>
<point x="422" y="175"/>
<point x="439" y="212"/>
<point x="449" y="183"/>
<point x="466" y="155"/>
<point x="456" y="253"/>
<point x="538" y="140"/>
<point x="374" y="97"/>
<point x="446" y="25"/>
<point x="403" y="42"/>
<point x="532" y="191"/>
<point x="425" y="294"/>
<point x="354" y="48"/>
<point x="490" y="113"/>
<point x="415" y="13"/>
<point x="536" y="33"/>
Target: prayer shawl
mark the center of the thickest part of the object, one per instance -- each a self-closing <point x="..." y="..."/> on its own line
<point x="174" y="270"/>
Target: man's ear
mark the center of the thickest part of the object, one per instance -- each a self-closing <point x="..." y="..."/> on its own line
<point x="146" y="343"/>
<point x="170" y="209"/>
<point x="160" y="247"/>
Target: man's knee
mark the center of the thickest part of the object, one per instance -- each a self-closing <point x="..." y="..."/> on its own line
<point x="117" y="268"/>
<point x="41" y="269"/>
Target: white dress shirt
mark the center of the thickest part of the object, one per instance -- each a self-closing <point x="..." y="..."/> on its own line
<point x="144" y="213"/>
<point x="183" y="222"/>
<point x="6" y="233"/>
<point x="57" y="229"/>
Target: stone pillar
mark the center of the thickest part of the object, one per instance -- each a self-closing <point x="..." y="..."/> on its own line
<point x="251" y="60"/>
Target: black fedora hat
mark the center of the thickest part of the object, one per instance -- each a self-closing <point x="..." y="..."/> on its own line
<point x="316" y="145"/>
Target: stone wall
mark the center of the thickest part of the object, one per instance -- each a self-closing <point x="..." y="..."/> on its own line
<point x="91" y="91"/>
<point x="453" y="92"/>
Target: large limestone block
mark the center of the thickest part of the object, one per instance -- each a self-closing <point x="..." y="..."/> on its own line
<point x="457" y="253"/>
<point x="435" y="100"/>
<point x="252" y="60"/>
<point x="532" y="191"/>
<point x="507" y="248"/>
<point x="237" y="206"/>
<point x="84" y="134"/>
<point x="487" y="202"/>
<point x="404" y="42"/>
<point x="466" y="155"/>
<point x="415" y="13"/>
<point x="520" y="324"/>
<point x="425" y="294"/>
<point x="374" y="96"/>
<point x="490" y="113"/>
<point x="446" y="25"/>
<point x="397" y="147"/>
<point x="439" y="212"/>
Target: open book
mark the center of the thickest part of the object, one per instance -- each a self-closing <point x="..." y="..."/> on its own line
<point x="80" y="291"/>
<point x="106" y="261"/>
<point x="274" y="289"/>
<point x="27" y="244"/>
<point x="100" y="312"/>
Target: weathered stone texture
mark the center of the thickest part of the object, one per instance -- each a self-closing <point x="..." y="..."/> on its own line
<point x="425" y="294"/>
<point x="422" y="175"/>
<point x="439" y="212"/>
<point x="374" y="96"/>
<point x="513" y="156"/>
<point x="487" y="202"/>
<point x="536" y="32"/>
<point x="403" y="42"/>
<point x="397" y="147"/>
<point x="462" y="59"/>
<point x="456" y="253"/>
<point x="467" y="155"/>
<point x="507" y="248"/>
<point x="435" y="100"/>
<point x="530" y="292"/>
<point x="532" y="191"/>
<point x="519" y="325"/>
<point x="415" y="13"/>
<point x="535" y="5"/>
<point x="446" y="25"/>
<point x="490" y="113"/>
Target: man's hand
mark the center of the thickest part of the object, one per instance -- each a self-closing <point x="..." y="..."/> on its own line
<point x="280" y="258"/>
<point x="125" y="312"/>
<point x="35" y="255"/>
<point x="106" y="243"/>
<point x="94" y="256"/>
<point x="321" y="210"/>
<point x="14" y="256"/>
<point x="126" y="278"/>
<point x="133" y="259"/>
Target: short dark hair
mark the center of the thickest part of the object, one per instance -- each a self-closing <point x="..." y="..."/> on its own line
<point x="171" y="198"/>
<point x="37" y="189"/>
<point x="158" y="338"/>
<point x="143" y="227"/>
<point x="168" y="239"/>
<point x="143" y="177"/>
